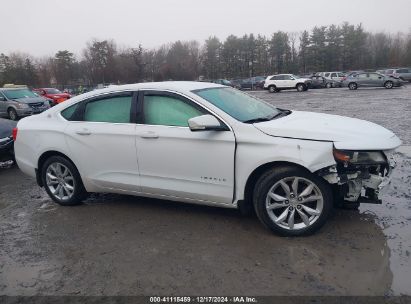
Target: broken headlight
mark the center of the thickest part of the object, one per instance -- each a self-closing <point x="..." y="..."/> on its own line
<point x="359" y="157"/>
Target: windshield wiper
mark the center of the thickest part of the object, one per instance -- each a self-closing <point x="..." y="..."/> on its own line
<point x="282" y="113"/>
<point x="269" y="117"/>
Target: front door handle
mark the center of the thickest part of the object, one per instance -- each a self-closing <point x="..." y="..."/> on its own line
<point x="149" y="134"/>
<point x="83" y="132"/>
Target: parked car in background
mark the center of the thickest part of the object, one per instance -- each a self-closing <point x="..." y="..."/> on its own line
<point x="223" y="82"/>
<point x="318" y="82"/>
<point x="6" y="139"/>
<point x="371" y="80"/>
<point x="20" y="102"/>
<point x="287" y="165"/>
<point x="236" y="83"/>
<point x="276" y="83"/>
<point x="402" y="73"/>
<point x="56" y="95"/>
<point x="253" y="83"/>
<point x="336" y="76"/>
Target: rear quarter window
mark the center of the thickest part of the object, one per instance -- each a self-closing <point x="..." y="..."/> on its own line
<point x="68" y="112"/>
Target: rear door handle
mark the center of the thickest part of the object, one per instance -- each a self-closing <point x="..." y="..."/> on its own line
<point x="83" y="132"/>
<point x="149" y="134"/>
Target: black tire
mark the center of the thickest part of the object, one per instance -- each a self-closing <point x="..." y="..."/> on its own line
<point x="272" y="89"/>
<point x="352" y="86"/>
<point x="388" y="84"/>
<point x="79" y="193"/>
<point x="301" y="87"/>
<point x="329" y="85"/>
<point x="270" y="178"/>
<point x="12" y="114"/>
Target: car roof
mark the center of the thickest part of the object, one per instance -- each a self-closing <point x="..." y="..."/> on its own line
<point x="184" y="87"/>
<point x="9" y="89"/>
<point x="180" y="86"/>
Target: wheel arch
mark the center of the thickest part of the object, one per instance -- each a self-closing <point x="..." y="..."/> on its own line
<point x="43" y="157"/>
<point x="253" y="177"/>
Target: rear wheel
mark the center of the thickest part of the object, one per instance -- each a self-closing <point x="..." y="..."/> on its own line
<point x="291" y="201"/>
<point x="389" y="85"/>
<point x="272" y="89"/>
<point x="352" y="86"/>
<point x="12" y="114"/>
<point x="62" y="181"/>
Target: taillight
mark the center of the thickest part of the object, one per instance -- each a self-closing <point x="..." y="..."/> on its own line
<point x="14" y="133"/>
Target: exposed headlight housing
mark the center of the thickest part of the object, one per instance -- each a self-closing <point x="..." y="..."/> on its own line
<point x="359" y="157"/>
<point x="22" y="105"/>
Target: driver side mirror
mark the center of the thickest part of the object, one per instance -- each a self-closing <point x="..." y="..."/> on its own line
<point x="205" y="123"/>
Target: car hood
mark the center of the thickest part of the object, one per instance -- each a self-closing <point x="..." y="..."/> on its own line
<point x="30" y="100"/>
<point x="346" y="133"/>
<point x="6" y="127"/>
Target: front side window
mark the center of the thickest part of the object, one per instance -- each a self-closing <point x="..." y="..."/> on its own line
<point x="168" y="110"/>
<point x="114" y="109"/>
<point x="237" y="104"/>
<point x="362" y="76"/>
<point x="375" y="76"/>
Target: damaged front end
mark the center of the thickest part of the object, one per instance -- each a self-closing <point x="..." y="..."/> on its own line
<point x="358" y="176"/>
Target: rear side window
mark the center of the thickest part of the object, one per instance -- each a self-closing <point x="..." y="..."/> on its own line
<point x="168" y="111"/>
<point x="68" y="112"/>
<point x="334" y="75"/>
<point x="327" y="74"/>
<point x="113" y="109"/>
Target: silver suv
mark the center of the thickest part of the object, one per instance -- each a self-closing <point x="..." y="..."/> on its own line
<point x="20" y="102"/>
<point x="402" y="73"/>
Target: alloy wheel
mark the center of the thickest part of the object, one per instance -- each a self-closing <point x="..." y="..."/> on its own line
<point x="294" y="203"/>
<point x="60" y="181"/>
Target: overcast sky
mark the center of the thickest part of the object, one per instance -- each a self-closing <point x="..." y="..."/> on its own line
<point x="42" y="27"/>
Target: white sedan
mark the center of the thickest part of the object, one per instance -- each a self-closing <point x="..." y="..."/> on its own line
<point x="208" y="144"/>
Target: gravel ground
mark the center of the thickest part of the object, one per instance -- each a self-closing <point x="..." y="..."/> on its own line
<point x="121" y="245"/>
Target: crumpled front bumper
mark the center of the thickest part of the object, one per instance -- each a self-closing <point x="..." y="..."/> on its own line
<point x="392" y="163"/>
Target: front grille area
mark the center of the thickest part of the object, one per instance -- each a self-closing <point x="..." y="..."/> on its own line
<point x="36" y="104"/>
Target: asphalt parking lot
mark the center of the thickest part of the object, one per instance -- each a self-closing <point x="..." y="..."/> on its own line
<point x="121" y="245"/>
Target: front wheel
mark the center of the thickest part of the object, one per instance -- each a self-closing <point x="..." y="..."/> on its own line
<point x="291" y="201"/>
<point x="328" y="85"/>
<point x="301" y="87"/>
<point x="12" y="114"/>
<point x="389" y="85"/>
<point x="62" y="181"/>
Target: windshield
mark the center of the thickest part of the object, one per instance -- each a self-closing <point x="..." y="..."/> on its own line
<point x="239" y="105"/>
<point x="52" y="91"/>
<point x="16" y="94"/>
